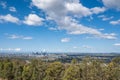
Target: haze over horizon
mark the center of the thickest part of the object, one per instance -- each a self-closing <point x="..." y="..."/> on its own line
<point x="91" y="26"/>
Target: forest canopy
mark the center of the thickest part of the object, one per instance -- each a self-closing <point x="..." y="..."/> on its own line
<point x="35" y="69"/>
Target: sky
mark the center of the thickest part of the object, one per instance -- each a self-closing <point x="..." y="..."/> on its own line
<point x="60" y="25"/>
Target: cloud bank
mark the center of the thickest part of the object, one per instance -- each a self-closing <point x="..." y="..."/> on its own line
<point x="63" y="12"/>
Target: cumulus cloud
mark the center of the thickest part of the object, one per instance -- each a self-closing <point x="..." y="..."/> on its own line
<point x="65" y="39"/>
<point x="78" y="9"/>
<point x="117" y="22"/>
<point x="97" y="10"/>
<point x="14" y="36"/>
<point x="112" y="4"/>
<point x="58" y="10"/>
<point x="9" y="18"/>
<point x="64" y="7"/>
<point x="116" y="44"/>
<point x="12" y="9"/>
<point x="33" y="20"/>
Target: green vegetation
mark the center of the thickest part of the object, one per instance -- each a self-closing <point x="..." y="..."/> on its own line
<point x="87" y="69"/>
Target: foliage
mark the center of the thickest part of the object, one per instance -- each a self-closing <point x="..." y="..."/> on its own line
<point x="88" y="69"/>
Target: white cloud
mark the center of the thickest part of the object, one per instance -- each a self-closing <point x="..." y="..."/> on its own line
<point x="111" y="36"/>
<point x="75" y="47"/>
<point x="56" y="8"/>
<point x="116" y="44"/>
<point x="10" y="49"/>
<point x="87" y="47"/>
<point x="117" y="22"/>
<point x="107" y="18"/>
<point x="101" y="29"/>
<point x="75" y="28"/>
<point x="115" y="4"/>
<point x="108" y="36"/>
<point x="63" y="7"/>
<point x="9" y="18"/>
<point x="27" y="38"/>
<point x="14" y="36"/>
<point x="65" y="40"/>
<point x="12" y="9"/>
<point x="52" y="28"/>
<point x="3" y="4"/>
<point x="78" y="9"/>
<point x="104" y="18"/>
<point x="97" y="10"/>
<point x="33" y="20"/>
<point x="17" y="49"/>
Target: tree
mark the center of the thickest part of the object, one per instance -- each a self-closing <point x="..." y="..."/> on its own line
<point x="38" y="69"/>
<point x="8" y="71"/>
<point x="74" y="61"/>
<point x="113" y="71"/>
<point x="27" y="72"/>
<point x="1" y="68"/>
<point x="54" y="71"/>
<point x="73" y="73"/>
<point x="18" y="73"/>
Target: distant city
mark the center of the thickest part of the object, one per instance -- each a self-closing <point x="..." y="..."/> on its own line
<point x="63" y="57"/>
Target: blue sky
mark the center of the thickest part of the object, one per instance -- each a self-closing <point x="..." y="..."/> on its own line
<point x="60" y="25"/>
